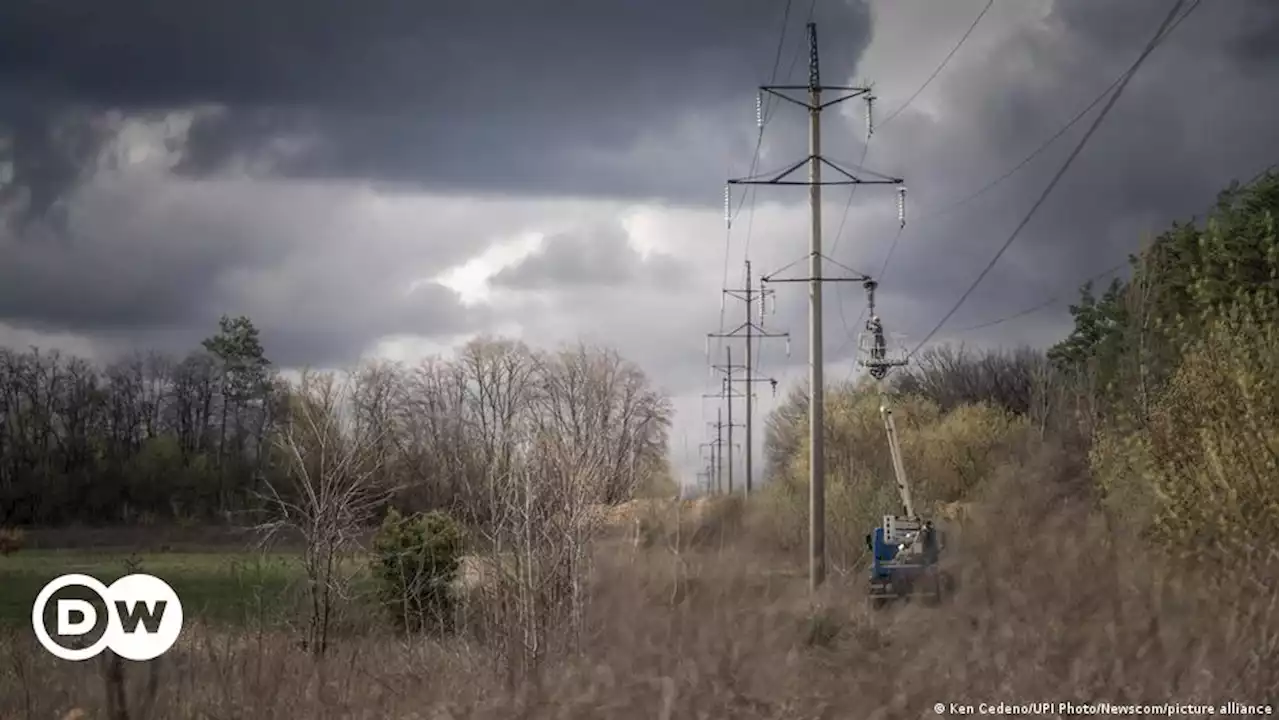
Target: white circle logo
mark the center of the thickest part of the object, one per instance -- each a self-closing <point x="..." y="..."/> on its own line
<point x="144" y="617"/>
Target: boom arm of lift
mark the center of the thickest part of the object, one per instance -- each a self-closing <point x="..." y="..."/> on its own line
<point x="895" y="454"/>
<point x="908" y="534"/>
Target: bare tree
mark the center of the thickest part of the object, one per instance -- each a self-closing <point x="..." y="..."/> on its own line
<point x="604" y="409"/>
<point x="540" y="541"/>
<point x="434" y="454"/>
<point x="331" y="489"/>
<point x="951" y="377"/>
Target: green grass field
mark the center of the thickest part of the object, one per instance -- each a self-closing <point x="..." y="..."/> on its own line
<point x="213" y="586"/>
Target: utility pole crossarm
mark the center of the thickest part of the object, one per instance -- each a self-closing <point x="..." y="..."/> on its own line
<point x="850" y="92"/>
<point x="854" y="275"/>
<point x="723" y="395"/>
<point x="847" y="179"/>
<point x="755" y="329"/>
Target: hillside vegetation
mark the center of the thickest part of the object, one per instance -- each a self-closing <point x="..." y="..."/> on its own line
<point x="1114" y="499"/>
<point x="1164" y="396"/>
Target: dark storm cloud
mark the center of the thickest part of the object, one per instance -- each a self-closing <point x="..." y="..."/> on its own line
<point x="324" y="272"/>
<point x="545" y="97"/>
<point x="1200" y="113"/>
<point x="601" y="257"/>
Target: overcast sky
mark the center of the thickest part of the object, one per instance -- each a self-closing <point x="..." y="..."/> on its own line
<point x="389" y="178"/>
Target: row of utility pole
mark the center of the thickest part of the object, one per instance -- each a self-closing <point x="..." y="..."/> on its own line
<point x="721" y="467"/>
<point x="743" y="374"/>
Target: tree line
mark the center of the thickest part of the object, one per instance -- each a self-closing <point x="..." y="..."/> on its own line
<point x="203" y="437"/>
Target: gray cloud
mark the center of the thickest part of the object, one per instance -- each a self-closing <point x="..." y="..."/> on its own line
<point x="1200" y="113"/>
<point x="601" y="257"/>
<point x="324" y="271"/>
<point x="543" y="98"/>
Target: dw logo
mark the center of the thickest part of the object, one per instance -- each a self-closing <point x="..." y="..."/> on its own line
<point x="143" y="617"/>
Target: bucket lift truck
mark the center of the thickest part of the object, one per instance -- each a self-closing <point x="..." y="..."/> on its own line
<point x="905" y="548"/>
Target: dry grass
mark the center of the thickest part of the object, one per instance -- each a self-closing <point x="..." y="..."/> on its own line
<point x="1049" y="606"/>
<point x="11" y="540"/>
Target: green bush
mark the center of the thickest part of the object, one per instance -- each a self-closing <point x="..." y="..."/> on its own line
<point x="1199" y="478"/>
<point x="416" y="561"/>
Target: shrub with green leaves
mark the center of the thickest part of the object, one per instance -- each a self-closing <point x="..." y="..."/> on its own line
<point x="1199" y="478"/>
<point x="416" y="560"/>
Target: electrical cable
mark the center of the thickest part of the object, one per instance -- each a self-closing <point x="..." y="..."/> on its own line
<point x="1170" y="22"/>
<point x="755" y="161"/>
<point x="1043" y="304"/>
<point x="1056" y="298"/>
<point x="766" y="114"/>
<point x="941" y="65"/>
<point x="836" y="244"/>
<point x="759" y="353"/>
<point x="950" y="207"/>
<point x="849" y="202"/>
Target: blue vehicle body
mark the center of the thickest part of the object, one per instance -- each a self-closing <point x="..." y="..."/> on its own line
<point x="898" y="575"/>
<point x="881" y="553"/>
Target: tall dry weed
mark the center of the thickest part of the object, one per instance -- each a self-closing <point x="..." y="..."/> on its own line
<point x="1050" y="606"/>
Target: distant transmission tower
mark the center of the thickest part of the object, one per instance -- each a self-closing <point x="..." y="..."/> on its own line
<point x="749" y="330"/>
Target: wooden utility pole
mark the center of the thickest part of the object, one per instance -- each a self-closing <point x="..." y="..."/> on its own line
<point x="815" y="104"/>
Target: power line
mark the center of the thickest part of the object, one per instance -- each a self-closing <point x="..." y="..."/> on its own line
<point x="941" y="65"/>
<point x="853" y="189"/>
<point x="765" y="113"/>
<point x="1035" y="153"/>
<point x="884" y="267"/>
<point x="836" y="244"/>
<point x="755" y="159"/>
<point x="749" y="296"/>
<point x="1151" y="46"/>
<point x="769" y="99"/>
<point x="1042" y="304"/>
<point x="1052" y="139"/>
<point x="1047" y="302"/>
<point x="866" y="146"/>
<point x="1097" y="276"/>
